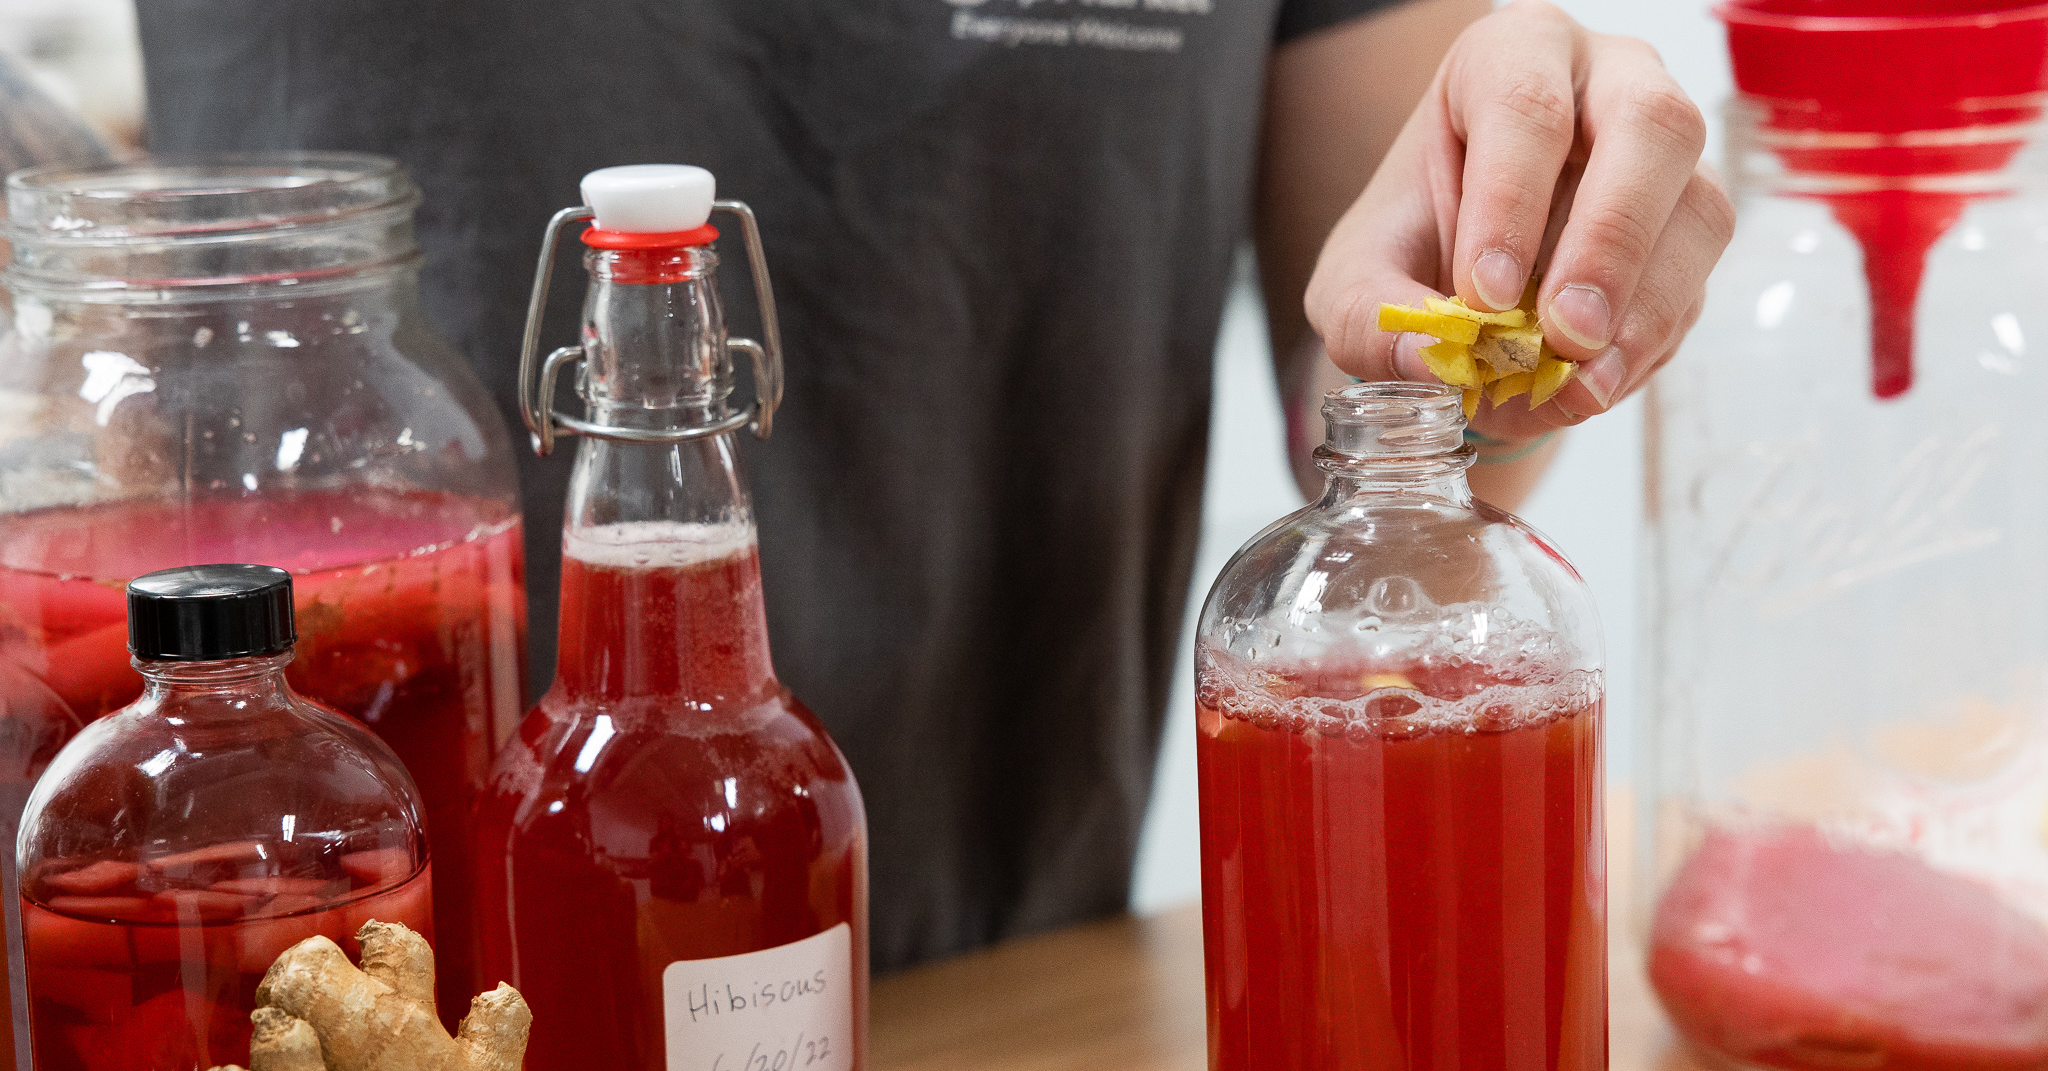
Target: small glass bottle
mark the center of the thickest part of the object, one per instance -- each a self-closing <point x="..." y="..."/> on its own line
<point x="1399" y="698"/>
<point x="674" y="853"/>
<point x="176" y="846"/>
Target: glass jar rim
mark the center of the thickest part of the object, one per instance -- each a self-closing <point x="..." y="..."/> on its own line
<point x="173" y="228"/>
<point x="156" y="199"/>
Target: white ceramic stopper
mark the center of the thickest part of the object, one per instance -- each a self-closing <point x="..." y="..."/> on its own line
<point x="650" y="198"/>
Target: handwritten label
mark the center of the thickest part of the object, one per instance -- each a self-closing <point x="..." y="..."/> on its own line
<point x="781" y="1009"/>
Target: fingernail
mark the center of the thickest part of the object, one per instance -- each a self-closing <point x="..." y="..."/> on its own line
<point x="1498" y="277"/>
<point x="1581" y="313"/>
<point x="1602" y="377"/>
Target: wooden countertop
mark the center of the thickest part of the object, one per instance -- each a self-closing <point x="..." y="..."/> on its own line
<point x="1126" y="995"/>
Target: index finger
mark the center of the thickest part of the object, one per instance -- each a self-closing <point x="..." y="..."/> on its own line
<point x="1511" y="97"/>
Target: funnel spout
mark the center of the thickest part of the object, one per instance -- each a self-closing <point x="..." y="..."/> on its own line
<point x="1896" y="229"/>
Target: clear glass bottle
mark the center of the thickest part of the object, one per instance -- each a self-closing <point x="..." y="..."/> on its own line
<point x="1399" y="697"/>
<point x="1846" y="585"/>
<point x="226" y="360"/>
<point x="675" y="852"/>
<point x="176" y="846"/>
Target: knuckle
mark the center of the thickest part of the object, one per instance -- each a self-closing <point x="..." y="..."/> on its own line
<point x="1539" y="104"/>
<point x="1345" y="320"/>
<point x="1638" y="46"/>
<point x="1535" y="9"/>
<point x="1715" y="211"/>
<point x="1665" y="113"/>
<point x="1621" y="238"/>
<point x="1657" y="317"/>
<point x="1684" y="325"/>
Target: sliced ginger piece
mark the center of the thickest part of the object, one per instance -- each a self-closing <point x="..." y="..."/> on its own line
<point x="1452" y="362"/>
<point x="1375" y="681"/>
<point x="1550" y="377"/>
<point x="1500" y="390"/>
<point x="1457" y="307"/>
<point x="1422" y="321"/>
<point x="1510" y="349"/>
<point x="1491" y="355"/>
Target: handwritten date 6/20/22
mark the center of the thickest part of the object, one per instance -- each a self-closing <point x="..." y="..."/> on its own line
<point x="805" y="1052"/>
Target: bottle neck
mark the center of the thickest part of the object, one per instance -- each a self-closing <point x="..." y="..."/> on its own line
<point x="661" y="577"/>
<point x="253" y="683"/>
<point x="1403" y="439"/>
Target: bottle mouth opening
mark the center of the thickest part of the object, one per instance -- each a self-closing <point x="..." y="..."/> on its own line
<point x="1394" y="420"/>
<point x="169" y="198"/>
<point x="208" y="221"/>
<point x="652" y="265"/>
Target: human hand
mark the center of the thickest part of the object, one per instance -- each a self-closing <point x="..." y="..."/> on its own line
<point x="1540" y="146"/>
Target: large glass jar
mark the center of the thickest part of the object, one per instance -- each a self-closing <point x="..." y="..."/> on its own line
<point x="1399" y="703"/>
<point x="225" y="360"/>
<point x="1847" y="581"/>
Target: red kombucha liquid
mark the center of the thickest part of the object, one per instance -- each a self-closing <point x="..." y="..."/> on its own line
<point x="666" y="800"/>
<point x="411" y="616"/>
<point x="154" y="967"/>
<point x="1389" y="887"/>
<point x="1780" y="946"/>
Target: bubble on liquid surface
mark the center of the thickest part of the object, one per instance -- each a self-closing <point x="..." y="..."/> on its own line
<point x="1489" y="702"/>
<point x="1396" y="598"/>
<point x="656" y="544"/>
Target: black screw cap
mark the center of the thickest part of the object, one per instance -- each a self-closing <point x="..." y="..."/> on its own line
<point x="202" y="613"/>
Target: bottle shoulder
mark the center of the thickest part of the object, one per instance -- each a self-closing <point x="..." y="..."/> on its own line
<point x="1388" y="577"/>
<point x="668" y="749"/>
<point x="290" y="792"/>
<point x="190" y="772"/>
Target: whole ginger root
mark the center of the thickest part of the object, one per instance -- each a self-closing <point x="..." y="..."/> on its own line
<point x="316" y="1011"/>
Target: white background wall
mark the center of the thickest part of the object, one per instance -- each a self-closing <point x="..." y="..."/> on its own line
<point x="1589" y="504"/>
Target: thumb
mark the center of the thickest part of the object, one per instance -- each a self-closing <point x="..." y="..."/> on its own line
<point x="1343" y="306"/>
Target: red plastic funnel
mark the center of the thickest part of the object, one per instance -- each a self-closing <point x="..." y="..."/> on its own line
<point x="1892" y="100"/>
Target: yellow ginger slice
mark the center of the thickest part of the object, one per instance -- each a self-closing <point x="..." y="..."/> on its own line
<point x="1491" y="355"/>
<point x="1457" y="307"/>
<point x="1421" y="321"/>
<point x="1452" y="362"/>
<point x="1551" y="376"/>
<point x="1500" y="390"/>
<point x="1374" y="681"/>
